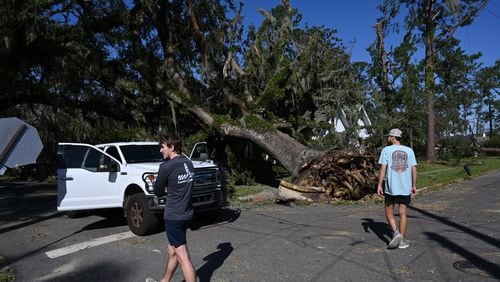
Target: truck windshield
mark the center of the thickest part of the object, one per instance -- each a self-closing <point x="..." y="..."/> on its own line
<point x="141" y="153"/>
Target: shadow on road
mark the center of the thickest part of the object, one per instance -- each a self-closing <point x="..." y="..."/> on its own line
<point x="476" y="260"/>
<point x="35" y="220"/>
<point x="24" y="204"/>
<point x="379" y="228"/>
<point x="214" y="261"/>
<point x="32" y="203"/>
<point x="107" y="271"/>
<point x="470" y="231"/>
<point x="479" y="262"/>
<point x="111" y="218"/>
<point x="105" y="223"/>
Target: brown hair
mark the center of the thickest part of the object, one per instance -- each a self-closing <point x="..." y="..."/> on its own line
<point x="172" y="140"/>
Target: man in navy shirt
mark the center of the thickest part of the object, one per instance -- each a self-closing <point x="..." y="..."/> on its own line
<point x="175" y="180"/>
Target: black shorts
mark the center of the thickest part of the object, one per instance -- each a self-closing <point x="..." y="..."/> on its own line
<point x="399" y="199"/>
<point x="176" y="232"/>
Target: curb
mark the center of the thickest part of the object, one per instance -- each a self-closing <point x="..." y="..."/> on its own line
<point x="266" y="195"/>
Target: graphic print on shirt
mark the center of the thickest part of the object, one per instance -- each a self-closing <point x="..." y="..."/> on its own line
<point x="185" y="178"/>
<point x="399" y="161"/>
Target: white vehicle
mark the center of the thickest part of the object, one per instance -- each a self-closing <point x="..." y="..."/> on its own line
<point x="121" y="175"/>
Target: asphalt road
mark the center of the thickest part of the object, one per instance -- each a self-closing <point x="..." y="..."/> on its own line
<point x="454" y="235"/>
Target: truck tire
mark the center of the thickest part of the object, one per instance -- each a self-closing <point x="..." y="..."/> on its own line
<point x="76" y="214"/>
<point x="140" y="219"/>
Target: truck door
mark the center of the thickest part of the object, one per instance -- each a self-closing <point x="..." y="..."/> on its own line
<point x="87" y="178"/>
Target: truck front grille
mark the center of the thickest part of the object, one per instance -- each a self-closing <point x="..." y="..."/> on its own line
<point x="206" y="178"/>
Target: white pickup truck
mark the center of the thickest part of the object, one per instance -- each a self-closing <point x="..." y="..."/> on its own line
<point x="121" y="175"/>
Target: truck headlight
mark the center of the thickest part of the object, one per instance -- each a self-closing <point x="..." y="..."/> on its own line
<point x="149" y="179"/>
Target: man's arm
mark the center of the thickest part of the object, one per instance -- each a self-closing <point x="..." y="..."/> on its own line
<point x="414" y="180"/>
<point x="161" y="182"/>
<point x="381" y="176"/>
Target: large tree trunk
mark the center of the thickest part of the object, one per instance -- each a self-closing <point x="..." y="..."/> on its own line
<point x="386" y="85"/>
<point x="317" y="176"/>
<point x="490" y="118"/>
<point x="293" y="155"/>
<point x="287" y="151"/>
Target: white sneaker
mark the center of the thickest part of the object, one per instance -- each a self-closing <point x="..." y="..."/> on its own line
<point x="404" y="244"/>
<point x="396" y="239"/>
<point x="150" y="280"/>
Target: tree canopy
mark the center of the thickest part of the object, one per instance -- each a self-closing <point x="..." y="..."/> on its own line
<point x="94" y="71"/>
<point x="435" y="94"/>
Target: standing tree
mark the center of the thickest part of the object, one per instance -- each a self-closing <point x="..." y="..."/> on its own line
<point x="432" y="23"/>
<point x="396" y="78"/>
<point x="456" y="94"/>
<point x="57" y="73"/>
<point x="488" y="85"/>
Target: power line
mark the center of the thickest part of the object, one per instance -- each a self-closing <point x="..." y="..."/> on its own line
<point x="493" y="13"/>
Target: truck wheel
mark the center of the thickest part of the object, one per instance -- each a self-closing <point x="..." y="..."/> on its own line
<point x="76" y="214"/>
<point x="140" y="219"/>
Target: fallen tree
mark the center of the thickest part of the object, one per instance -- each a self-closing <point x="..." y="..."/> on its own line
<point x="337" y="174"/>
<point x="267" y="97"/>
<point x="154" y="62"/>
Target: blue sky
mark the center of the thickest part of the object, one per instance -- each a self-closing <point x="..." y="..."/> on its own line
<point x="353" y="20"/>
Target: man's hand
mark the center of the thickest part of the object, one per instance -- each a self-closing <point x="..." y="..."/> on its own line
<point x="381" y="176"/>
<point x="414" y="190"/>
<point x="380" y="191"/>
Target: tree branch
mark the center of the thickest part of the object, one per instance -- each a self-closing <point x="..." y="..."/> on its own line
<point x="451" y="30"/>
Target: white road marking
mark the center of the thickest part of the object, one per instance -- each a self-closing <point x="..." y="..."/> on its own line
<point x="89" y="244"/>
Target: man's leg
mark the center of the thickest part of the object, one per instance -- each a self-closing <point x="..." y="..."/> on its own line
<point x="389" y="214"/>
<point x="402" y="219"/>
<point x="171" y="264"/>
<point x="402" y="226"/>
<point x="182" y="254"/>
<point x="396" y="236"/>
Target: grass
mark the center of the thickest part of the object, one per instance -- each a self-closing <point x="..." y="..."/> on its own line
<point x="6" y="272"/>
<point x="245" y="190"/>
<point x="431" y="175"/>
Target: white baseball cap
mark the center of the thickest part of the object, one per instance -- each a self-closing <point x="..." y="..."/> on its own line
<point x="395" y="132"/>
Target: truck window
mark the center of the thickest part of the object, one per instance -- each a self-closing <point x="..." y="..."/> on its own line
<point x="71" y="156"/>
<point x="113" y="151"/>
<point x="96" y="161"/>
<point x="141" y="153"/>
<point x="92" y="160"/>
<point x="200" y="152"/>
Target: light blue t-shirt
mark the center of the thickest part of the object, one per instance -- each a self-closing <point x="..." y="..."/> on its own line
<point x="400" y="161"/>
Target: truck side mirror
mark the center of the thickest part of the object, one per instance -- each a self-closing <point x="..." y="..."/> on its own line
<point x="113" y="167"/>
<point x="203" y="156"/>
<point x="106" y="164"/>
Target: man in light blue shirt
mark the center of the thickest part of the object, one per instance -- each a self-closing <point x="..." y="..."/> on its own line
<point x="398" y="167"/>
